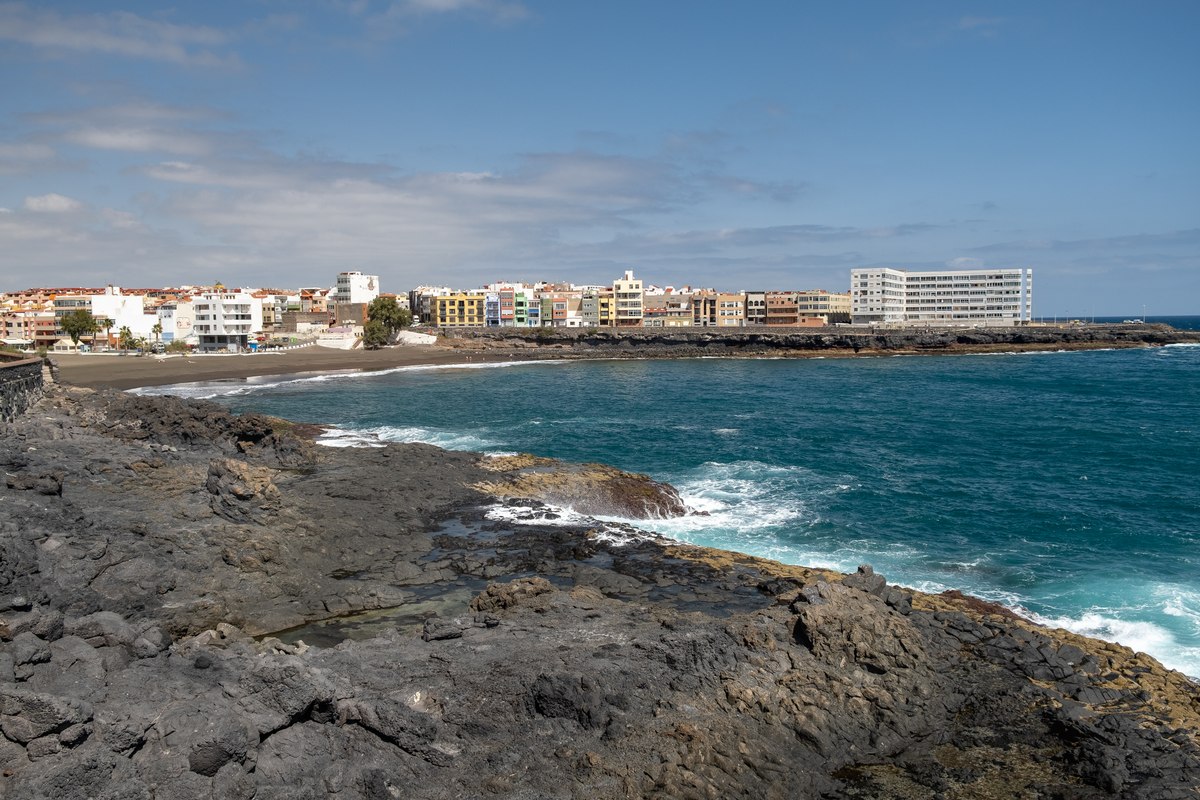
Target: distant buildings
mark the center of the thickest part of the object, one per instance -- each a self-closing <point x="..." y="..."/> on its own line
<point x="987" y="297"/>
<point x="215" y="318"/>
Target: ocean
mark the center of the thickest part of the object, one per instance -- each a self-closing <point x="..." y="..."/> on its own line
<point x="1061" y="484"/>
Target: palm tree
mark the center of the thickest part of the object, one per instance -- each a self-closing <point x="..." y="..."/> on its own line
<point x="101" y="322"/>
<point x="157" y="331"/>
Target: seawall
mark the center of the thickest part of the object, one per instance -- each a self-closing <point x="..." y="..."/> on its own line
<point x="21" y="384"/>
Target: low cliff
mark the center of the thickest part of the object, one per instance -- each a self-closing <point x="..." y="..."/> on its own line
<point x="688" y="343"/>
<point x="500" y="652"/>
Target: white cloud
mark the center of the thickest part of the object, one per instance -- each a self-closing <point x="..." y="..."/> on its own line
<point x="493" y="8"/>
<point x="114" y="33"/>
<point x="141" y="140"/>
<point x="52" y="204"/>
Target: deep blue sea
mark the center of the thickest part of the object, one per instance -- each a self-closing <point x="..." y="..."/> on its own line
<point x="1065" y="485"/>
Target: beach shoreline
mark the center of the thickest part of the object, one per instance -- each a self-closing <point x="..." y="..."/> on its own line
<point x="135" y="372"/>
<point x="113" y="371"/>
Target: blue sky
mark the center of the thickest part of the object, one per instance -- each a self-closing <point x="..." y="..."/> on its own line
<point x="764" y="145"/>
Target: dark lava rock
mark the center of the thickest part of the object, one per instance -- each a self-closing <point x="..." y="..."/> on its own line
<point x="505" y="659"/>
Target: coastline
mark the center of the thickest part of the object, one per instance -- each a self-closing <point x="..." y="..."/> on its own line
<point x="617" y="669"/>
<point x="134" y="372"/>
<point x="488" y="346"/>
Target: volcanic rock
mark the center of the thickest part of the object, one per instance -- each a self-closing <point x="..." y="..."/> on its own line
<point x="496" y="658"/>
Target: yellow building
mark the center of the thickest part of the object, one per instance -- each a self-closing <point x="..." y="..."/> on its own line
<point x="607" y="309"/>
<point x="461" y="310"/>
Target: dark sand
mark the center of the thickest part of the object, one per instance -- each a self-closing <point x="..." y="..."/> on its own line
<point x="129" y="372"/>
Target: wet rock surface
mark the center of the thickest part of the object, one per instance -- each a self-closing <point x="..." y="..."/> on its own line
<point x="539" y="660"/>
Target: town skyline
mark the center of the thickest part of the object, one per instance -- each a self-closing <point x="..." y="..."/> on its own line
<point x="463" y="142"/>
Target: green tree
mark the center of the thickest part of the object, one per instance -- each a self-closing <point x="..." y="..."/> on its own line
<point x="388" y="312"/>
<point x="375" y="335"/>
<point x="157" y="331"/>
<point x="125" y="338"/>
<point x="77" y="323"/>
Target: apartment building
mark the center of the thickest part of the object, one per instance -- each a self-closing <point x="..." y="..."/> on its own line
<point x="355" y="287"/>
<point x="667" y="310"/>
<point x="987" y="297"/>
<point x="177" y="318"/>
<point x="834" y="306"/>
<point x="629" y="297"/>
<point x="422" y="301"/>
<point x="225" y="320"/>
<point x="597" y="307"/>
<point x="731" y="310"/>
<point x="460" y="309"/>
<point x="111" y="307"/>
<point x="29" y="328"/>
<point x="561" y="309"/>
<point x="511" y="306"/>
<point x="755" y="308"/>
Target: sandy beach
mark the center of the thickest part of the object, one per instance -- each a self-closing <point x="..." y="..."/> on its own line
<point x="130" y="372"/>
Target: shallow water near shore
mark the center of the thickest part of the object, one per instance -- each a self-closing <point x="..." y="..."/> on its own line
<point x="1061" y="484"/>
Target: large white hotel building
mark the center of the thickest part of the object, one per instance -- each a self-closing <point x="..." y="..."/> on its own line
<point x="886" y="296"/>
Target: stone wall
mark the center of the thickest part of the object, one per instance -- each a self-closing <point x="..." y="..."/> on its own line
<point x="21" y="383"/>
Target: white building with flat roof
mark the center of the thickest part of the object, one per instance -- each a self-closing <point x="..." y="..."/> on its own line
<point x="355" y="287"/>
<point x="972" y="298"/>
<point x="225" y="320"/>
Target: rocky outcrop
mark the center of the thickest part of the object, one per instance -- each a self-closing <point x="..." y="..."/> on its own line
<point x="691" y="343"/>
<point x="585" y="488"/>
<point x="489" y="658"/>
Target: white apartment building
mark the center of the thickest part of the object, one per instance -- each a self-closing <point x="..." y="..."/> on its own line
<point x="983" y="297"/>
<point x="225" y="320"/>
<point x="176" y="318"/>
<point x="354" y="287"/>
<point x="113" y="308"/>
<point x="629" y="299"/>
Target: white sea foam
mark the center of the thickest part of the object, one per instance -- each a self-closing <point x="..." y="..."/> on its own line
<point x="336" y="437"/>
<point x="615" y="534"/>
<point x="1179" y="602"/>
<point x="378" y="436"/>
<point x="1139" y="635"/>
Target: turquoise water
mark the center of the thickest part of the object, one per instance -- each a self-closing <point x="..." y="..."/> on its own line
<point x="1061" y="484"/>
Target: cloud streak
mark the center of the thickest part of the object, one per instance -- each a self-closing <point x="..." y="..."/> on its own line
<point x="118" y="33"/>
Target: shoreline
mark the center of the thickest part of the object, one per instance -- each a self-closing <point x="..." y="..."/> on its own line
<point x="135" y="372"/>
<point x="217" y="527"/>
<point x="96" y="371"/>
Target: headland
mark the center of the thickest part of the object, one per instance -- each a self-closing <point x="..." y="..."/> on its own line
<point x="164" y="559"/>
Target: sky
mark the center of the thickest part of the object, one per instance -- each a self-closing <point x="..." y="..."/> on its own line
<point x="761" y="145"/>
